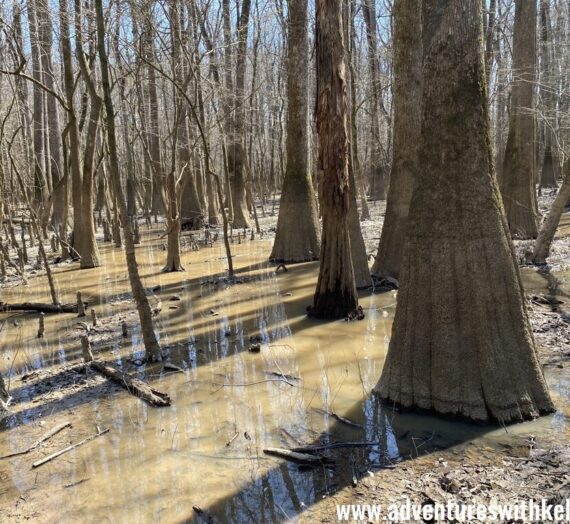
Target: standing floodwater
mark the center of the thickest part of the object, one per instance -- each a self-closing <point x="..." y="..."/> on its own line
<point x="309" y="384"/>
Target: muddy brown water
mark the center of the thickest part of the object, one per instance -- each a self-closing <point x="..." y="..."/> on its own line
<point x="229" y="404"/>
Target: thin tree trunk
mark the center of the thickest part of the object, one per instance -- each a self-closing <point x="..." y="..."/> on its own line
<point x="145" y="316"/>
<point x="38" y="114"/>
<point x="359" y="256"/>
<point x="490" y="40"/>
<point x="153" y="120"/>
<point x="355" y="160"/>
<point x="548" y="228"/>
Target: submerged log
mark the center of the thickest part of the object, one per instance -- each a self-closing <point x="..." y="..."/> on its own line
<point x="39" y="307"/>
<point x="295" y="456"/>
<point x="135" y="386"/>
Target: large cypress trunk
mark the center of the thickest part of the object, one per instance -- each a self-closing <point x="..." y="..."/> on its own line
<point x="74" y="139"/>
<point x="360" y="268"/>
<point x="548" y="173"/>
<point x="407" y="123"/>
<point x="83" y="223"/>
<point x="518" y="180"/>
<point x="38" y="114"/>
<point x="335" y="296"/>
<point x="55" y="157"/>
<point x="378" y="178"/>
<point x="297" y="236"/>
<point x="461" y="341"/>
<point x="236" y="150"/>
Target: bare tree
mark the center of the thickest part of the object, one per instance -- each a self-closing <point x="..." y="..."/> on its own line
<point x="152" y="346"/>
<point x="335" y="295"/>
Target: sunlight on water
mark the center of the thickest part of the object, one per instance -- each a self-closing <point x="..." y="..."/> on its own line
<point x="311" y="383"/>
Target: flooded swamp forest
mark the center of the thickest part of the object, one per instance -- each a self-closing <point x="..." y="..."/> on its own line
<point x="261" y="258"/>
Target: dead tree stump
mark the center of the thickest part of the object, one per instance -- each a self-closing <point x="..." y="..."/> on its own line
<point x="80" y="305"/>
<point x="21" y="263"/>
<point x="86" y="348"/>
<point x="41" y="325"/>
<point x="24" y="246"/>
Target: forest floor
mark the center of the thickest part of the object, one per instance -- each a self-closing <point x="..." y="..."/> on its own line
<point x="514" y="469"/>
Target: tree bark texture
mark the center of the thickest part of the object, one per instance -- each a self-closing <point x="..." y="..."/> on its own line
<point x="335" y="295"/>
<point x="461" y="341"/>
<point x="297" y="235"/>
<point x="407" y="127"/>
<point x="518" y="180"/>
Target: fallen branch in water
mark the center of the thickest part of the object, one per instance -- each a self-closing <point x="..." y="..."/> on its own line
<point x="251" y="383"/>
<point x="335" y="445"/>
<point x="295" y="456"/>
<point x="282" y="375"/>
<point x="344" y="420"/>
<point x="135" y="386"/>
<point x="236" y="434"/>
<point x="49" y="458"/>
<point x="43" y="438"/>
<point x="39" y="307"/>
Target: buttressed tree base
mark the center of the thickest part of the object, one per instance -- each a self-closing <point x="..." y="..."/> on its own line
<point x="461" y="342"/>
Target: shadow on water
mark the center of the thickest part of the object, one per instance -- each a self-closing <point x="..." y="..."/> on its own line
<point x="287" y="489"/>
<point x="228" y="403"/>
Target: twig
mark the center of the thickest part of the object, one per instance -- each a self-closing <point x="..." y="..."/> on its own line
<point x="43" y="438"/>
<point x="49" y="458"/>
<point x="232" y="439"/>
<point x="339" y="418"/>
<point x="250" y="383"/>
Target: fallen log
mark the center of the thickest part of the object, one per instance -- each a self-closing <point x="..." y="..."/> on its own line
<point x="135" y="386"/>
<point x="43" y="438"/>
<point x="39" y="307"/>
<point x="295" y="456"/>
<point x="40" y="462"/>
